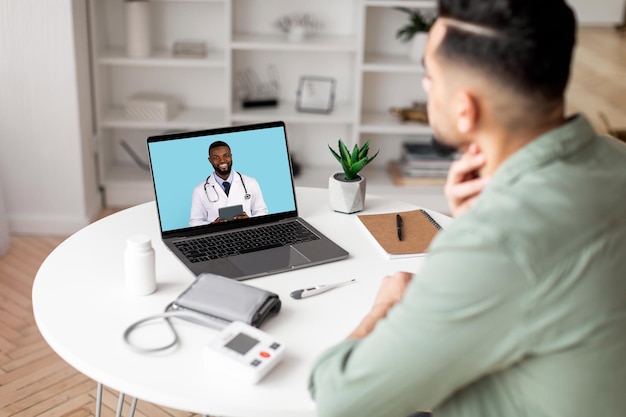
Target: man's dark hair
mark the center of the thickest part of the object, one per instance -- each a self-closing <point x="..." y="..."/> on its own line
<point x="526" y="45"/>
<point x="217" y="144"/>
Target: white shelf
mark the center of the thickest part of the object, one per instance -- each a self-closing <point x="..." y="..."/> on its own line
<point x="391" y="64"/>
<point x="286" y="111"/>
<point x="127" y="185"/>
<point x="128" y="174"/>
<point x="190" y="1"/>
<point x="402" y="3"/>
<point x="382" y="123"/>
<point x="115" y="118"/>
<point x="317" y="43"/>
<point x="162" y="58"/>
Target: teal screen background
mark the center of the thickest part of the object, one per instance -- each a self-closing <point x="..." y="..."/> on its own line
<point x="181" y="164"/>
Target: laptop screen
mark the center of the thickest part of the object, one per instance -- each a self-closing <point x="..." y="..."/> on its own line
<point x="189" y="193"/>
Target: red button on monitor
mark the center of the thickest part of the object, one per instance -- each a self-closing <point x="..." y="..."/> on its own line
<point x="264" y="354"/>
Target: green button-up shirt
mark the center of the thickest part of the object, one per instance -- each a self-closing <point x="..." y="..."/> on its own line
<point x="520" y="309"/>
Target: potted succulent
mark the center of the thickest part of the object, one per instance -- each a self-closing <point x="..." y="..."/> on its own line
<point x="415" y="31"/>
<point x="346" y="190"/>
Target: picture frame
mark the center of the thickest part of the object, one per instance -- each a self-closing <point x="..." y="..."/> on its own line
<point x="316" y="94"/>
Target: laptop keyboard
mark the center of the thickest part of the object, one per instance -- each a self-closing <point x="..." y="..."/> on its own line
<point x="244" y="241"/>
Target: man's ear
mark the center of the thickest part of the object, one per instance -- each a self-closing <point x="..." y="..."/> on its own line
<point x="466" y="112"/>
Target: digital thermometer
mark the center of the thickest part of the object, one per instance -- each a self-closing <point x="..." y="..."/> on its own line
<point x="243" y="352"/>
<point x="318" y="289"/>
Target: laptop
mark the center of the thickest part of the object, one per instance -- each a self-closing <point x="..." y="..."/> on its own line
<point x="184" y="181"/>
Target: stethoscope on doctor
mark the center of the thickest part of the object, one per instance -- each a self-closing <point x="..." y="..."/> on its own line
<point x="206" y="183"/>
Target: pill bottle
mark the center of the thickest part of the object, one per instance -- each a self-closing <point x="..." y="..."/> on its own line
<point x="139" y="265"/>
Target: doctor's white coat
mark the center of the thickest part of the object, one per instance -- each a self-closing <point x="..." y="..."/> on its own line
<point x="205" y="205"/>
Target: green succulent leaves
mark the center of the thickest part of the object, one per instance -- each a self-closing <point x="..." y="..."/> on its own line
<point x="352" y="162"/>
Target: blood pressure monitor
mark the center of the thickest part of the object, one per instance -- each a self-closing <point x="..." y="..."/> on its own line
<point x="243" y="352"/>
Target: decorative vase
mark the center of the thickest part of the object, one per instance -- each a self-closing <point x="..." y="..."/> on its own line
<point x="346" y="196"/>
<point x="138" y="33"/>
<point x="417" y="46"/>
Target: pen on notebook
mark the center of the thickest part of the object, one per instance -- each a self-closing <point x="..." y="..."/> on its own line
<point x="318" y="289"/>
<point x="399" y="226"/>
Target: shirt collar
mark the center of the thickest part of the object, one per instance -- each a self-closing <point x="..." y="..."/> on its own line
<point x="220" y="181"/>
<point x="573" y="135"/>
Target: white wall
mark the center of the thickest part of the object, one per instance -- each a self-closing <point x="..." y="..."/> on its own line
<point x="599" y="12"/>
<point x="46" y="170"/>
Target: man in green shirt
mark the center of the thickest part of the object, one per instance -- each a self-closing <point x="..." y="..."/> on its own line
<point x="520" y="308"/>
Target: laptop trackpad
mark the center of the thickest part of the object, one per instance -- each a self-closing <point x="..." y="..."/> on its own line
<point x="269" y="260"/>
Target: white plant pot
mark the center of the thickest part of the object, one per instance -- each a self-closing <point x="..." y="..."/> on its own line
<point x="346" y="196"/>
<point x="296" y="34"/>
<point x="417" y="46"/>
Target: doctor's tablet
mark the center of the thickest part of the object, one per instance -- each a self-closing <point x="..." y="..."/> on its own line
<point x="229" y="212"/>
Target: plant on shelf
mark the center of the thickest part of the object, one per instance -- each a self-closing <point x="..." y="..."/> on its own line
<point x="419" y="22"/>
<point x="297" y="25"/>
<point x="415" y="31"/>
<point x="346" y="190"/>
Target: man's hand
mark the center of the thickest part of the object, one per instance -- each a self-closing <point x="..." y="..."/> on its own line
<point x="464" y="184"/>
<point x="392" y="288"/>
<point x="390" y="292"/>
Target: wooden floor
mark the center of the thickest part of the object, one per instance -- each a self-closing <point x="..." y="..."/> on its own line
<point x="34" y="381"/>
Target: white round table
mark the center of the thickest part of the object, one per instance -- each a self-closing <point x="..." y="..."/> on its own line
<point x="82" y="310"/>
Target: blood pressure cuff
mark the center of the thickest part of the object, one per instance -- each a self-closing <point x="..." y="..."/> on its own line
<point x="226" y="300"/>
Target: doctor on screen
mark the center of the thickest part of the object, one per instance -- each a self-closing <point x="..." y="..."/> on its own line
<point x="224" y="187"/>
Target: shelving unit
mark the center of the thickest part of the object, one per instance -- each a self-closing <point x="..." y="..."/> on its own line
<point x="356" y="46"/>
<point x="388" y="77"/>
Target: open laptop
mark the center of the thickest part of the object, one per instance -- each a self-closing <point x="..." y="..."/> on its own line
<point x="179" y="165"/>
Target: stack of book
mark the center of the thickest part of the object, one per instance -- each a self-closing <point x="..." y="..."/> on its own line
<point x="420" y="164"/>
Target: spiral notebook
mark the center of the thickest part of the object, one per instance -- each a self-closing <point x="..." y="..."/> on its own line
<point x="418" y="231"/>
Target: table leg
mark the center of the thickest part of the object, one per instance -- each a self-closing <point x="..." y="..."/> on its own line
<point x="98" y="399"/>
<point x="120" y="403"/>
<point x="133" y="405"/>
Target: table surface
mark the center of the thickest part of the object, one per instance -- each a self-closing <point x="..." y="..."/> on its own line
<point x="82" y="310"/>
